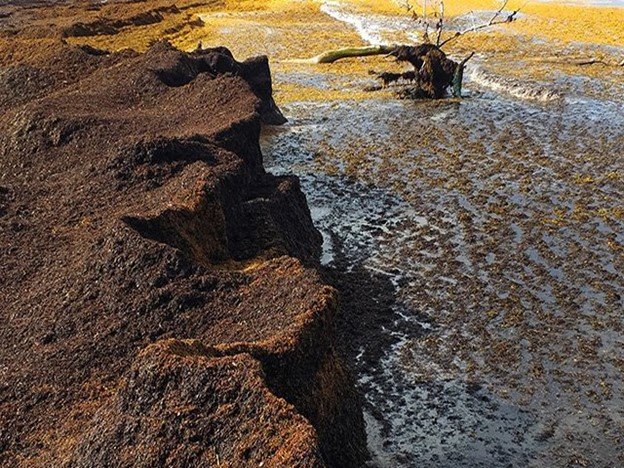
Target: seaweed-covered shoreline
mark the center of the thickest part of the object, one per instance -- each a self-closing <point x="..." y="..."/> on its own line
<point x="476" y="245"/>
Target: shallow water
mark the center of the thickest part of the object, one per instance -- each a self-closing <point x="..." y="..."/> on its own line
<point x="499" y="222"/>
<point x="501" y="250"/>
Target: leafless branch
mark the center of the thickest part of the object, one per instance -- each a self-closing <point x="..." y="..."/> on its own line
<point x="498" y="12"/>
<point x="430" y="10"/>
<point x="440" y="24"/>
<point x="576" y="60"/>
<point x="594" y="61"/>
<point x="493" y="21"/>
<point x="437" y="11"/>
<point x="426" y="34"/>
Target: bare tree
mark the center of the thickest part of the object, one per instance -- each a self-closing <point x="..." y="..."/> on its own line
<point x="433" y="71"/>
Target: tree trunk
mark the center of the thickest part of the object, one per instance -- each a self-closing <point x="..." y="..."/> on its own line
<point x="458" y="77"/>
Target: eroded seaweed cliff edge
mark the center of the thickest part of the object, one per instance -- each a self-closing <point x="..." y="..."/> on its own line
<point x="159" y="292"/>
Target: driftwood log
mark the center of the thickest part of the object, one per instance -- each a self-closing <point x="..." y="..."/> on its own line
<point x="332" y="56"/>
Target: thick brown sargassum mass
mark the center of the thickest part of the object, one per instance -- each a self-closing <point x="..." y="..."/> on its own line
<point x="159" y="299"/>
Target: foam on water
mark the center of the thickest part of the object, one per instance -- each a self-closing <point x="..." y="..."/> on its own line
<point x="374" y="29"/>
<point x="367" y="30"/>
<point x="512" y="86"/>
